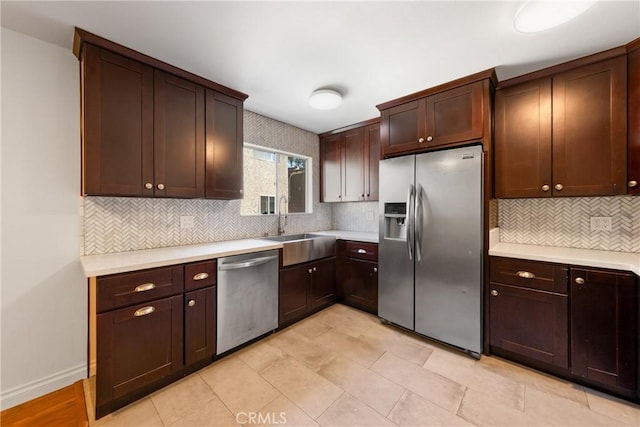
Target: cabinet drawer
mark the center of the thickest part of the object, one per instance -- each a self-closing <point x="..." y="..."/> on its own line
<point x="544" y="276"/>
<point x="120" y="290"/>
<point x="361" y="250"/>
<point x="199" y="275"/>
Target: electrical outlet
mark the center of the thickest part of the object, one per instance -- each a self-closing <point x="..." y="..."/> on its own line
<point x="186" y="222"/>
<point x="600" y="223"/>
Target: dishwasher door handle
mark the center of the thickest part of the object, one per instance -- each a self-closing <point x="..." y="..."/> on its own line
<point x="247" y="263"/>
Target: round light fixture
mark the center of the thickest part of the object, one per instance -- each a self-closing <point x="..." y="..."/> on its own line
<point x="325" y="99"/>
<point x="540" y="15"/>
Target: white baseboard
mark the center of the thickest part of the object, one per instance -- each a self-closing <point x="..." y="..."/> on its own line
<point x="42" y="386"/>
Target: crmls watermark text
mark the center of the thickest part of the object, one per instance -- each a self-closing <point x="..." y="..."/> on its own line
<point x="261" y="418"/>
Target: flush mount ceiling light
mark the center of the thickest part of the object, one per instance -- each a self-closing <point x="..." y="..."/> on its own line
<point x="325" y="99"/>
<point x="540" y="15"/>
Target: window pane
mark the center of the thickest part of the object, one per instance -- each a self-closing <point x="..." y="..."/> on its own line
<point x="297" y="178"/>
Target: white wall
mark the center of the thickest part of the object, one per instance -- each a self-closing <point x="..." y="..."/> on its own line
<point x="44" y="293"/>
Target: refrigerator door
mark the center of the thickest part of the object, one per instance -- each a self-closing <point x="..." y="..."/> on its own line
<point x="395" y="248"/>
<point x="449" y="243"/>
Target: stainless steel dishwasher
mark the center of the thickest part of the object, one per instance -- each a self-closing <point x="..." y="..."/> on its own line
<point x="247" y="298"/>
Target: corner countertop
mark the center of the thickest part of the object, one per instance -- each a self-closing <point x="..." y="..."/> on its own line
<point x="583" y="257"/>
<point x="121" y="262"/>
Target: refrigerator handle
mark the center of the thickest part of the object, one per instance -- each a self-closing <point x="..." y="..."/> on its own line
<point x="409" y="218"/>
<point x="418" y="222"/>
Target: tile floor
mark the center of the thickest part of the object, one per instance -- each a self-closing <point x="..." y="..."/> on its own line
<point x="342" y="367"/>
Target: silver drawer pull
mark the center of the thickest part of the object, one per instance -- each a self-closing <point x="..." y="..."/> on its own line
<point x="526" y="275"/>
<point x="191" y="303"/>
<point x="200" y="276"/>
<point x="362" y="251"/>
<point x="579" y="280"/>
<point x="145" y="287"/>
<point x="144" y="311"/>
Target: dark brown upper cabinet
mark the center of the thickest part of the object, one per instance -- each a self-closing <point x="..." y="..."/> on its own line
<point x="144" y="125"/>
<point x="224" y="146"/>
<point x="447" y="115"/>
<point x="563" y="134"/>
<point x="349" y="163"/>
<point x="633" y="172"/>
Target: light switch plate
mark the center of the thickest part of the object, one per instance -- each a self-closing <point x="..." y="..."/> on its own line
<point x="186" y="222"/>
<point x="600" y="223"/>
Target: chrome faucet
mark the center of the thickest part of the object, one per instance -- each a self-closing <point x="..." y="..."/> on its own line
<point x="282" y="214"/>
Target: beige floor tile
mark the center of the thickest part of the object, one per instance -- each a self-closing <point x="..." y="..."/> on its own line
<point x="212" y="414"/>
<point x="563" y="412"/>
<point x="464" y="370"/>
<point x="350" y="347"/>
<point x="310" y="327"/>
<point x="260" y="355"/>
<point x="619" y="409"/>
<point x="363" y="384"/>
<point x="239" y="387"/>
<point x="413" y="410"/>
<point x="479" y="408"/>
<point x="440" y="390"/>
<point x="387" y="338"/>
<point x="139" y="414"/>
<point x="282" y="411"/>
<point x="531" y="377"/>
<point x="309" y="352"/>
<point x="180" y="398"/>
<point x="347" y="411"/>
<point x="347" y="320"/>
<point x="308" y="390"/>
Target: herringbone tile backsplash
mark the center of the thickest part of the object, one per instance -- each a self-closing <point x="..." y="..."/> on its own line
<point x="565" y="222"/>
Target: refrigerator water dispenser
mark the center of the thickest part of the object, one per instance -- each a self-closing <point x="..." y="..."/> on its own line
<point x="395" y="224"/>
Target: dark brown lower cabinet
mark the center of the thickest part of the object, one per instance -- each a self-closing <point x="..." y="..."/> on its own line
<point x="136" y="347"/>
<point x="604" y="328"/>
<point x="199" y="325"/>
<point x="531" y="323"/>
<point x="360" y="284"/>
<point x="305" y="288"/>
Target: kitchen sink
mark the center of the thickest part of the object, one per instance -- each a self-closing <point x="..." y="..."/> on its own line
<point x="299" y="248"/>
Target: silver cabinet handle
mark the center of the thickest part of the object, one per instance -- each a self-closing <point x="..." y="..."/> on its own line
<point x="633" y="184"/>
<point x="247" y="263"/>
<point x="526" y="275"/>
<point x="315" y="269"/>
<point x="148" y="186"/>
<point x="494" y="293"/>
<point x="144" y="311"/>
<point x="418" y="222"/>
<point x="579" y="280"/>
<point x="201" y="276"/>
<point x="429" y="138"/>
<point x="191" y="303"/>
<point x="545" y="187"/>
<point x="559" y="187"/>
<point x="361" y="251"/>
<point x="160" y="186"/>
<point x="375" y="269"/>
<point x="409" y="221"/>
<point x="145" y="287"/>
<point x="310" y="270"/>
<point x="241" y="191"/>
<point x="420" y="140"/>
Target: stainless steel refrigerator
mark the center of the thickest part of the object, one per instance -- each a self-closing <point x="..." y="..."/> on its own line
<point x="431" y="243"/>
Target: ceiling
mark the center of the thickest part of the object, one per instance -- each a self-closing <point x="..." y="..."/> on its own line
<point x="280" y="52"/>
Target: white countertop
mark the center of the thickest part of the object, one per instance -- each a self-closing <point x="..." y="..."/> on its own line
<point x="583" y="257"/>
<point x="121" y="262"/>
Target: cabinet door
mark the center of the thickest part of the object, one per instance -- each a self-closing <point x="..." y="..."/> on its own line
<point x="294" y="293"/>
<point x="353" y="171"/>
<point x="178" y="137"/>
<point x="590" y="130"/>
<point x="224" y="146"/>
<point x="117" y="132"/>
<point x="531" y="323"/>
<point x="402" y="128"/>
<point x="199" y="325"/>
<point x="323" y="282"/>
<point x="137" y="346"/>
<point x="372" y="160"/>
<point x="331" y="168"/>
<point x="633" y="172"/>
<point x="455" y="115"/>
<point x="604" y="334"/>
<point x="523" y="140"/>
<point x="361" y="284"/>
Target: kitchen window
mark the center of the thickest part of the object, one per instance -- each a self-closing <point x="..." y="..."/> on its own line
<point x="270" y="175"/>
